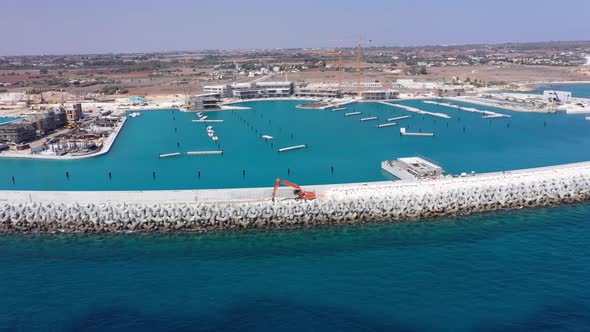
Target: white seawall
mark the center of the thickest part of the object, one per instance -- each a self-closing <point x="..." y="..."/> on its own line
<point x="251" y="208"/>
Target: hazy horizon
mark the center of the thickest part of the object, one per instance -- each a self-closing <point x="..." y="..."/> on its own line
<point x="72" y="27"/>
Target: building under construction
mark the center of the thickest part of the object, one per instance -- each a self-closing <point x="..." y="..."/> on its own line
<point x="17" y="132"/>
<point x="205" y="102"/>
<point x="74" y="114"/>
<point x="47" y="121"/>
<point x="252" y="90"/>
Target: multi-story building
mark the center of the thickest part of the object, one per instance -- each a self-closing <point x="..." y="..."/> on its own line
<point x="252" y="90"/>
<point x="318" y="93"/>
<point x="205" y="101"/>
<point x="248" y="94"/>
<point x="48" y="120"/>
<point x="379" y="94"/>
<point x="276" y="89"/>
<point x="17" y="132"/>
<point x="60" y="118"/>
<point x="74" y="114"/>
<point x="222" y="90"/>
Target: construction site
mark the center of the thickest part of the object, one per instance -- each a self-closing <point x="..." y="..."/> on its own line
<point x="54" y="130"/>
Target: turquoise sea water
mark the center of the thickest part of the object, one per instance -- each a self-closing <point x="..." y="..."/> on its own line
<point x="580" y="90"/>
<point x="524" y="270"/>
<point x="6" y="119"/>
<point x="354" y="149"/>
<point x="577" y="89"/>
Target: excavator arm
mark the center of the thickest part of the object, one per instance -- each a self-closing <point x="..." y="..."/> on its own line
<point x="298" y="190"/>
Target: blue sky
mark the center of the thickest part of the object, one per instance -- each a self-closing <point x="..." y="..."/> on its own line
<point x="89" y="26"/>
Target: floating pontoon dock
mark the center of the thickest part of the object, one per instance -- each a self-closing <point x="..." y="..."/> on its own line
<point x="399" y="118"/>
<point x="416" y="110"/>
<point x="339" y="109"/>
<point x="383" y="125"/>
<point x="403" y="132"/>
<point x="295" y="147"/>
<point x="207" y="121"/>
<point x="352" y="113"/>
<point x="486" y="114"/>
<point x="192" y="153"/>
<point x="166" y="155"/>
<point x="369" y="119"/>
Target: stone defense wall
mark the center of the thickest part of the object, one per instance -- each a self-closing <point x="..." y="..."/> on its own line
<point x="341" y="205"/>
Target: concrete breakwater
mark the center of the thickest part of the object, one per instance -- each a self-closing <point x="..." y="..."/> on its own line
<point x="339" y="204"/>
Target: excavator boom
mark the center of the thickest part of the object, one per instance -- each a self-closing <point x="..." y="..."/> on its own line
<point x="302" y="194"/>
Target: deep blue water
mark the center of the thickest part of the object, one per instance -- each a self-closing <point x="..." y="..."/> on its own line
<point x="355" y="149"/>
<point x="524" y="270"/>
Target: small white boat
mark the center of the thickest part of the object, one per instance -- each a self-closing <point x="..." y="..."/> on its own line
<point x="215" y="138"/>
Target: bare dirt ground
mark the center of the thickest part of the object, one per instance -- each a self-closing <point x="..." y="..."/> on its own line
<point x="512" y="73"/>
<point x="185" y="80"/>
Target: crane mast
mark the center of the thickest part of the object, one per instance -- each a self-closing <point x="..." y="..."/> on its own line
<point x="359" y="46"/>
<point x="358" y="68"/>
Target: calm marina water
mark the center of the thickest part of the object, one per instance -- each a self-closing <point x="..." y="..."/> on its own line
<point x="580" y="90"/>
<point x="355" y="149"/>
<point x="507" y="271"/>
<point x="7" y="119"/>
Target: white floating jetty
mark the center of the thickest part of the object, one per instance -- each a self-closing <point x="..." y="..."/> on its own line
<point x="339" y="109"/>
<point x="267" y="137"/>
<point x="399" y="118"/>
<point x="208" y="121"/>
<point x="369" y="118"/>
<point x="193" y="153"/>
<point x="383" y="125"/>
<point x="167" y="155"/>
<point x="352" y="113"/>
<point x="403" y="132"/>
<point x="486" y="114"/>
<point x="295" y="147"/>
<point x="588" y="118"/>
<point x="416" y="110"/>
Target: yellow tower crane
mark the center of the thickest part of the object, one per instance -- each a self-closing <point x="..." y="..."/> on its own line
<point x="340" y="70"/>
<point x="359" y="46"/>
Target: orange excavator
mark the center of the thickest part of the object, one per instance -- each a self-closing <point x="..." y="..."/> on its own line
<point x="301" y="194"/>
